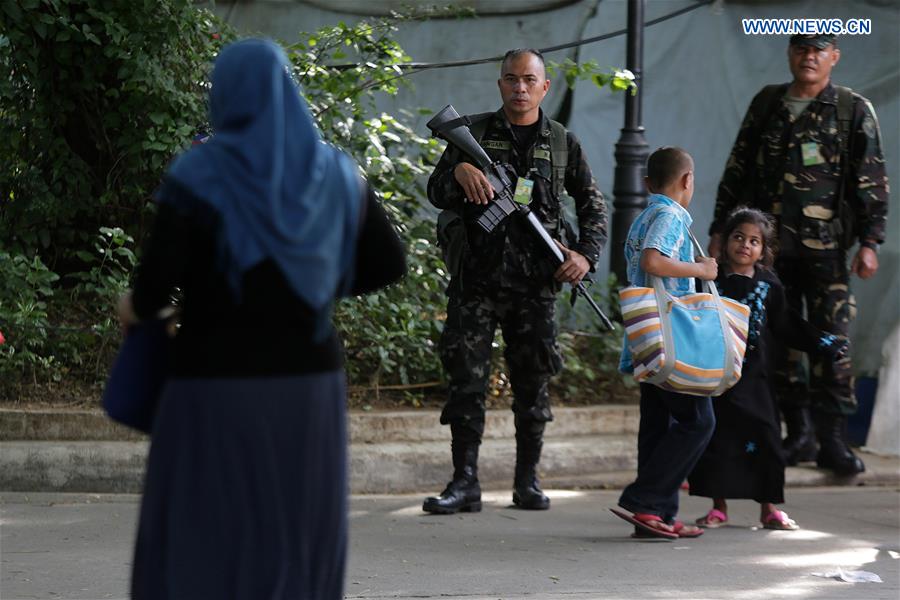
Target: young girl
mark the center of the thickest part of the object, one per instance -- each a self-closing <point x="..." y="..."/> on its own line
<point x="744" y="458"/>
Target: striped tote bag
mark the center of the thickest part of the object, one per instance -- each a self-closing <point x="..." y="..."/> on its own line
<point x="691" y="344"/>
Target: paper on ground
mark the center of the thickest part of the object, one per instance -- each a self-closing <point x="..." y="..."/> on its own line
<point x="851" y="576"/>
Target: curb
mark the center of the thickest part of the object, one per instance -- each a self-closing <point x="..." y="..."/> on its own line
<point x="389" y="468"/>
<point x="390" y="453"/>
<point x="589" y="462"/>
<point x="426" y="467"/>
<point x="364" y="427"/>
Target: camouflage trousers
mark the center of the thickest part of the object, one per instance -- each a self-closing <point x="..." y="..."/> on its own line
<point x="532" y="354"/>
<point x="822" y="286"/>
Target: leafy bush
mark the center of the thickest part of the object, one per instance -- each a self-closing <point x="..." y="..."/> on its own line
<point x="390" y="335"/>
<point x="111" y="262"/>
<point x="53" y="332"/>
<point x="97" y="96"/>
<point x="25" y="287"/>
<point x="591" y="353"/>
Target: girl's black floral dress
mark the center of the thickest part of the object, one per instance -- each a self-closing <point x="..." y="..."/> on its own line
<point x="744" y="458"/>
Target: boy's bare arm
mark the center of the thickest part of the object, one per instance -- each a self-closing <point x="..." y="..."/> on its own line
<point x="660" y="265"/>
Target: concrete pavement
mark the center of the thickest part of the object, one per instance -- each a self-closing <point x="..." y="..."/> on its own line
<point x="78" y="547"/>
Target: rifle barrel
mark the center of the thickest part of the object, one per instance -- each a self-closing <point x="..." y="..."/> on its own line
<point x="554" y="248"/>
<point x="581" y="289"/>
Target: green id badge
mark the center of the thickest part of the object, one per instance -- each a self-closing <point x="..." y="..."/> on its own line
<point x="811" y="156"/>
<point x="522" y="194"/>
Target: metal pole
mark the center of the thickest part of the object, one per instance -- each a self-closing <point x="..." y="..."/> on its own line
<point x="630" y="196"/>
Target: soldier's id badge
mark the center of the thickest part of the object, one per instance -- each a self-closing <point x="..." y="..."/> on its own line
<point x="522" y="195"/>
<point x="811" y="155"/>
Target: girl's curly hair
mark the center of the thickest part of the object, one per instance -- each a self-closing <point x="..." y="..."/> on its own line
<point x="756" y="217"/>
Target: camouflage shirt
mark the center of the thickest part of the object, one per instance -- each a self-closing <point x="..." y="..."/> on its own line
<point x="511" y="255"/>
<point x="795" y="173"/>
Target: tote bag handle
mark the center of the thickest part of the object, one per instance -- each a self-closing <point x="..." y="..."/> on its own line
<point x="663" y="297"/>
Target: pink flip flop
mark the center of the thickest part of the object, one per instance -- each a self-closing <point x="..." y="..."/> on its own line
<point x="720" y="519"/>
<point x="642" y="522"/>
<point x="779" y="521"/>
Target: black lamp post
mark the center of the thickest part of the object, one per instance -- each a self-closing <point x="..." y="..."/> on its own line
<point x="630" y="196"/>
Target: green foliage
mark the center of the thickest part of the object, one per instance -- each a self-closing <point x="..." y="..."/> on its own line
<point x="617" y="80"/>
<point x="54" y="331"/>
<point x="91" y="300"/>
<point x="390" y="335"/>
<point x="98" y="95"/>
<point x="110" y="263"/>
<point x="25" y="287"/>
<point x="591" y="353"/>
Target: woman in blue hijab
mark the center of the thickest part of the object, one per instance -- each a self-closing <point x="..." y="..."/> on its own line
<point x="261" y="229"/>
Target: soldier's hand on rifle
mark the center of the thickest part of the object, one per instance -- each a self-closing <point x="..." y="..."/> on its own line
<point x="475" y="185"/>
<point x="574" y="268"/>
<point x="865" y="263"/>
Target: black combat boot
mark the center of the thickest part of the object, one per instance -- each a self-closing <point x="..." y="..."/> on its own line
<point x="463" y="494"/>
<point x="527" y="492"/>
<point x="800" y="443"/>
<point x="834" y="453"/>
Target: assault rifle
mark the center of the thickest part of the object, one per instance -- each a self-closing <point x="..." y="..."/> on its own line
<point x="448" y="125"/>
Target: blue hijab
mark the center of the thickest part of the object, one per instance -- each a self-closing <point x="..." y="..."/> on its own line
<point x="280" y="191"/>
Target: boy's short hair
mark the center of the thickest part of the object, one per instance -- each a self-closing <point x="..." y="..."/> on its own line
<point x="667" y="164"/>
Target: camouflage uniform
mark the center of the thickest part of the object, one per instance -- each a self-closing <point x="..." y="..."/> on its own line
<point x="802" y="197"/>
<point x="506" y="278"/>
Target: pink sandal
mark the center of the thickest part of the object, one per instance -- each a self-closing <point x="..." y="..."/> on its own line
<point x="707" y="521"/>
<point x="779" y="521"/>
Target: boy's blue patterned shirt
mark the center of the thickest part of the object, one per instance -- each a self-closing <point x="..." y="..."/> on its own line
<point x="663" y="225"/>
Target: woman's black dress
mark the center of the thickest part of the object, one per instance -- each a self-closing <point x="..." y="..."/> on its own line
<point x="246" y="487"/>
<point x="744" y="458"/>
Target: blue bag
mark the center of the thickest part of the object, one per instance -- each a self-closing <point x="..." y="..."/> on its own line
<point x="138" y="374"/>
<point x="692" y="344"/>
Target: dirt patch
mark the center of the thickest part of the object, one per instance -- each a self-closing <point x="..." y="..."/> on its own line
<point x="499" y="397"/>
<point x="78" y="395"/>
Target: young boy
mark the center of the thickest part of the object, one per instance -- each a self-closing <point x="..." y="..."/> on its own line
<point x="674" y="428"/>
